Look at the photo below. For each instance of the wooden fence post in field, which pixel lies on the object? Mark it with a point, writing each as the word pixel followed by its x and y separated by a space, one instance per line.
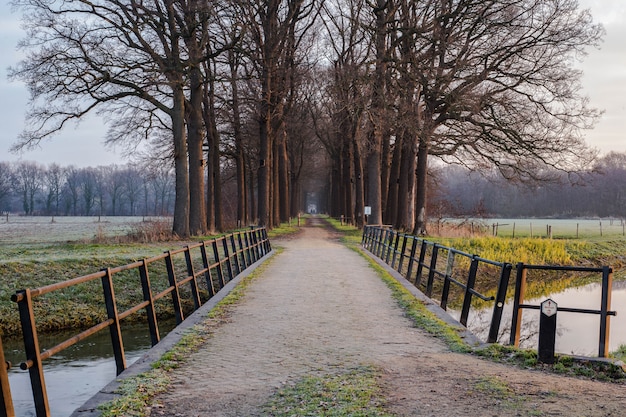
pixel 531 230
pixel 577 230
pixel 600 228
pixel 513 230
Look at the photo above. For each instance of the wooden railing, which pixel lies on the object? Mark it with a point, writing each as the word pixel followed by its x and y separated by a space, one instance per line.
pixel 207 267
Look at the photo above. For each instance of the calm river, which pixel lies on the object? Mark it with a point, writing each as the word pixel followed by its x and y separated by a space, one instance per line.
pixel 577 334
pixel 76 374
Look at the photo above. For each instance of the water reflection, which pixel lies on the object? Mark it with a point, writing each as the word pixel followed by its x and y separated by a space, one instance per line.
pixel 77 373
pixel 577 333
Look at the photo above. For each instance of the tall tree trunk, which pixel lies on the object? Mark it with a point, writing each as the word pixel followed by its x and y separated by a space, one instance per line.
pixel 359 203
pixel 374 158
pixel 406 179
pixel 346 173
pixel 421 175
pixel 391 202
pixel 283 177
pixel 269 64
pixel 181 203
pixel 242 213
pixel 209 121
pixel 217 177
pixel 195 128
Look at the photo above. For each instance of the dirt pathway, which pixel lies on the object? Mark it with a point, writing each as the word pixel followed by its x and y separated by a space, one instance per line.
pixel 319 309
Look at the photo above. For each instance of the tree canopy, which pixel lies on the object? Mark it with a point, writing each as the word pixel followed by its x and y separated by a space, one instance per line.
pixel 258 89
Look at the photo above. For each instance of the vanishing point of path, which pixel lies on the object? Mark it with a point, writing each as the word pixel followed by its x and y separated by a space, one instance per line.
pixel 319 309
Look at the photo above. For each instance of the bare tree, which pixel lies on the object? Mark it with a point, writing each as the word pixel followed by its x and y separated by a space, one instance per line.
pixel 6 183
pixel 124 58
pixel 28 182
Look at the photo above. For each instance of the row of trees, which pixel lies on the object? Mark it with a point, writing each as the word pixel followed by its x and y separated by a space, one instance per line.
pixel 600 191
pixel 33 189
pixel 273 90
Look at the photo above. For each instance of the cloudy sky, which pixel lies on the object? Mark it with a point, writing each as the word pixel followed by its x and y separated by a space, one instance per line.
pixel 604 82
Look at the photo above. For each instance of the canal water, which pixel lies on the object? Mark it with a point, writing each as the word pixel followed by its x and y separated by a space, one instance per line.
pixel 577 334
pixel 77 373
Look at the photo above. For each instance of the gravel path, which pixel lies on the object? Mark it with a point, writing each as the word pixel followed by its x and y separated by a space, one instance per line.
pixel 320 309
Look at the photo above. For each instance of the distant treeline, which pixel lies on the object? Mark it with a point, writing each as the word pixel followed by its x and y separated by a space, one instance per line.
pixel 600 191
pixel 30 188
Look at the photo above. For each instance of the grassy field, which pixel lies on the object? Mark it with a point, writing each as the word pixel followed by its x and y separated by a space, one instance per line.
pixel 541 228
pixel 38 251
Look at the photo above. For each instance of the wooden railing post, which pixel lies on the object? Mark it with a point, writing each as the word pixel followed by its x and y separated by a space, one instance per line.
pixel 6 401
pixel 229 265
pixel 171 275
pixel 193 284
pixel 607 284
pixel 207 274
pixel 114 328
pixel 235 255
pixel 147 296
pixel 218 262
pixel 33 353
pixel 266 239
pixel 242 251
pixel 249 248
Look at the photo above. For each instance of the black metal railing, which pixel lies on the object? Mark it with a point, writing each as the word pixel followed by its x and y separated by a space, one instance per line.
pixel 442 265
pixel 605 302
pixel 209 264
pixel 391 246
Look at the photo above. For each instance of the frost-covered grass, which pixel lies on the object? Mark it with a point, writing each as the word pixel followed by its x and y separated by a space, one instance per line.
pixel 538 228
pixel 18 230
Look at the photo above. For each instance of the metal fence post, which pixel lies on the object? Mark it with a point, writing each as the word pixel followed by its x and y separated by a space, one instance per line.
pixel 395 251
pixel 467 299
pixel 409 268
pixel 498 307
pixel 431 272
pixel 520 289
pixel 402 254
pixel 420 263
pixel 446 280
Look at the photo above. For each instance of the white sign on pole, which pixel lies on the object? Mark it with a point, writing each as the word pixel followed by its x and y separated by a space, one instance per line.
pixel 368 210
pixel 549 308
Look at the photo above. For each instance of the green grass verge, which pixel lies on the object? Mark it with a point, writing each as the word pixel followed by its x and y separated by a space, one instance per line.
pixel 353 393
